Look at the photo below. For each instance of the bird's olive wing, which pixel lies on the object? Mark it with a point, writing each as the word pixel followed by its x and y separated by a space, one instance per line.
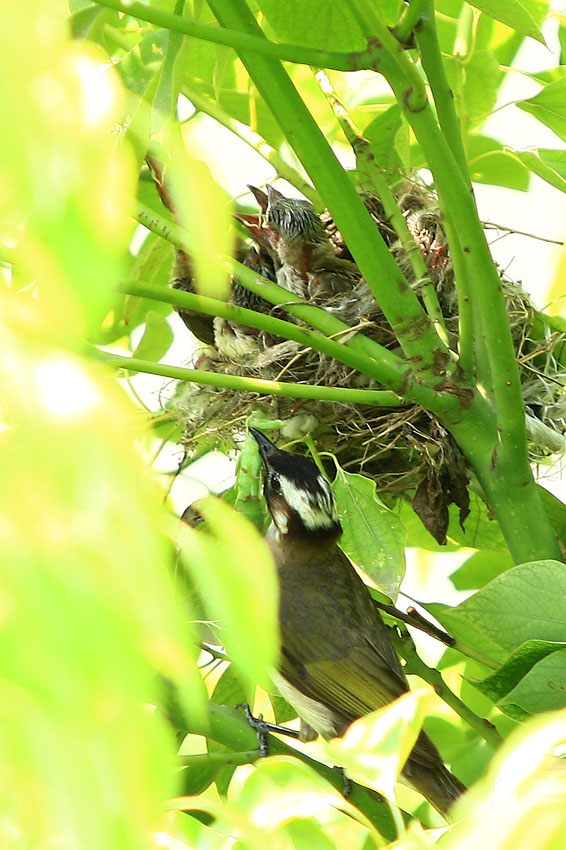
pixel 352 685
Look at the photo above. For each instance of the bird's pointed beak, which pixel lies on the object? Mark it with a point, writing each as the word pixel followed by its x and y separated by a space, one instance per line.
pixel 266 447
pixel 260 197
pixel 273 194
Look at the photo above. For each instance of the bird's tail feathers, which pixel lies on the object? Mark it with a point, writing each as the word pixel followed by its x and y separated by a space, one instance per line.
pixel 440 787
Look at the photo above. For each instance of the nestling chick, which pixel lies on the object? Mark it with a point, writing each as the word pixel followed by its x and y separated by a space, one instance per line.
pixel 337 660
pixel 309 265
pixel 232 339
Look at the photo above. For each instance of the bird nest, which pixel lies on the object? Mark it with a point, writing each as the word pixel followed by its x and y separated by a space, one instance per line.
pixel 406 450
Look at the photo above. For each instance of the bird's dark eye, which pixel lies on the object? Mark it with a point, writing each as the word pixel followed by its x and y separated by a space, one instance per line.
pixel 274 483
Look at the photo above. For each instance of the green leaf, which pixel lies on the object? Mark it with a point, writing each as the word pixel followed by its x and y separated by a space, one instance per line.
pixel 381 132
pixel 542 689
pixel 374 536
pixel 491 163
pixel 282 787
pixel 152 265
pixel 548 164
pixel 230 690
pixel 555 509
pixel 516 667
pixel 328 26
pixel 198 777
pixel 305 834
pixel 525 16
pixel 157 338
pixel 281 708
pixel 549 107
pixel 481 568
pixel 234 570
pixel 525 603
pixel 481 80
pixel 374 748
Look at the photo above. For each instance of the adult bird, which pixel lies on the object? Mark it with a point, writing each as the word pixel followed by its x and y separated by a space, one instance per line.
pixel 337 660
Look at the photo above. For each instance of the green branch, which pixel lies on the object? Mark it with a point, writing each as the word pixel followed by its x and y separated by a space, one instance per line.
pixel 251 385
pixel 420 343
pixel 261 321
pixel 229 727
pixel 416 666
pixel 354 61
pixel 393 373
pixel 459 206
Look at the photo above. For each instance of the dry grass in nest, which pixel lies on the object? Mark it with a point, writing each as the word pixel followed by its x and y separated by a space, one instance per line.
pixel 405 448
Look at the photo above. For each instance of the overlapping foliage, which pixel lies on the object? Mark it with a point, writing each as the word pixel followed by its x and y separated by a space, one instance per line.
pixel 102 595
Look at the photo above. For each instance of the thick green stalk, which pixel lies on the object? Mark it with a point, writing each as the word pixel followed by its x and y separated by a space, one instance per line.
pixel 354 61
pixel 251 385
pixel 427 354
pixel 431 59
pixel 508 485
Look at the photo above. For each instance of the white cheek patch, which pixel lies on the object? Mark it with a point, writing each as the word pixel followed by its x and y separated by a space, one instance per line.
pixel 315 510
pixel 280 519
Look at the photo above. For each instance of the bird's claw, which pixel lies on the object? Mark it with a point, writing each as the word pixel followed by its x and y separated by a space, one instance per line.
pixel 346 781
pixel 259 726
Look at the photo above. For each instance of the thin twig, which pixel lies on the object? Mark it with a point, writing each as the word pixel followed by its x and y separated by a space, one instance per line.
pixel 415 619
pixel 489 225
pixel 415 665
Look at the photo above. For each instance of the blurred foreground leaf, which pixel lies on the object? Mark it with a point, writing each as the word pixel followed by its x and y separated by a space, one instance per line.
pixel 234 570
pixel 375 748
pixel 520 803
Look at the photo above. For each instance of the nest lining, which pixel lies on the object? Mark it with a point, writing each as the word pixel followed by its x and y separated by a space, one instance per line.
pixel 399 447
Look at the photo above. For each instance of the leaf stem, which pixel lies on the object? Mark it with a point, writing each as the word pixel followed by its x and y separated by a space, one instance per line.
pixel 416 666
pixel 226 757
pixel 252 385
pixel 354 61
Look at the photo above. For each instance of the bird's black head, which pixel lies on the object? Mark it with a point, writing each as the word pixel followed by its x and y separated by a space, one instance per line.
pixel 299 498
pixel 293 220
